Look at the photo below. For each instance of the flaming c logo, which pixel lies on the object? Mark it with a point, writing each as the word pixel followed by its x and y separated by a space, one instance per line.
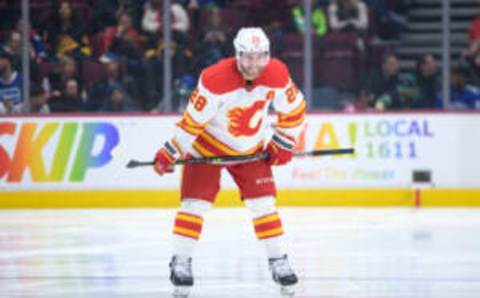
pixel 246 121
pixel 256 40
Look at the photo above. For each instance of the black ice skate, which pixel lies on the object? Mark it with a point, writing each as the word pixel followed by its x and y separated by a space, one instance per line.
pixel 181 275
pixel 283 274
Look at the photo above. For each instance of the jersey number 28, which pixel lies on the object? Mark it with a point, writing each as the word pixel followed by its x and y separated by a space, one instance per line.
pixel 198 101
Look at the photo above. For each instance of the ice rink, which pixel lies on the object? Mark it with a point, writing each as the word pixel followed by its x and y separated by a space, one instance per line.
pixel 338 253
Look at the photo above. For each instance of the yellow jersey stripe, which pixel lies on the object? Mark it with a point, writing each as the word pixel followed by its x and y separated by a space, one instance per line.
pixel 219 144
pixel 202 150
pixel 286 124
pixel 298 109
pixel 191 122
pixel 190 130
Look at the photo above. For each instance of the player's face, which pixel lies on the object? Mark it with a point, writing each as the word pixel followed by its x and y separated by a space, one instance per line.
pixel 251 65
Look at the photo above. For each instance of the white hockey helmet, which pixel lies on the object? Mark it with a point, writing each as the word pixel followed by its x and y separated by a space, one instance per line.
pixel 251 40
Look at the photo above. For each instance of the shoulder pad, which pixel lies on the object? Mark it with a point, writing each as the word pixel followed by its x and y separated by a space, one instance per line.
pixel 275 75
pixel 222 77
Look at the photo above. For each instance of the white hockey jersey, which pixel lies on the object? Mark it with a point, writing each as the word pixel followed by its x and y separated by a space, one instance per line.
pixel 225 116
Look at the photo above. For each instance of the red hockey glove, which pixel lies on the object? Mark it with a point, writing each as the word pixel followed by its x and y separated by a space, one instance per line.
pixel 280 150
pixel 165 158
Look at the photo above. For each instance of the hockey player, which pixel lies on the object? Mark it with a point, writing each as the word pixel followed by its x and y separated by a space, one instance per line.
pixel 227 115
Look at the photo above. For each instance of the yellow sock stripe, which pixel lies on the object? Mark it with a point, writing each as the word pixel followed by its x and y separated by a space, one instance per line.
pixel 190 218
pixel 275 232
pixel 268 218
pixel 186 232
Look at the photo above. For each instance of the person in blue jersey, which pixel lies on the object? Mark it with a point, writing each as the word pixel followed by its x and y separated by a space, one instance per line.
pixel 10 81
pixel 462 95
pixel 38 103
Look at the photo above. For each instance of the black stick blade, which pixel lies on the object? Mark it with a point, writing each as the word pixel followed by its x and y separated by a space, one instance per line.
pixel 135 163
pixel 132 164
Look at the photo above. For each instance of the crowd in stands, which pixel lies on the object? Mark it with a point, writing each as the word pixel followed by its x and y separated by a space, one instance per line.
pixel 107 56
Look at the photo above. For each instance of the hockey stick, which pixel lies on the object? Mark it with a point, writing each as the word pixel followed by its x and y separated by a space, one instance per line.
pixel 241 158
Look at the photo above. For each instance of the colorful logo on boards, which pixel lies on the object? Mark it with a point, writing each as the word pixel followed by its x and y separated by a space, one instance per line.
pixel 29 151
pixel 382 139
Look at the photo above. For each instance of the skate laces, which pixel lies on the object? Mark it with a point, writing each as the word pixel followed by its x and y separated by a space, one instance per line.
pixel 281 267
pixel 182 266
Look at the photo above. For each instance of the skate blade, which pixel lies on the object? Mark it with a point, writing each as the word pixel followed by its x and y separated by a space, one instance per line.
pixel 181 291
pixel 287 291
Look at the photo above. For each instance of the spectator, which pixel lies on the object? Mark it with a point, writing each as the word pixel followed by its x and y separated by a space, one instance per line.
pixel 10 81
pixel 56 81
pixel 121 41
pixel 273 16
pixel 214 41
pixel 182 59
pixel 389 17
pixel 195 4
pixel 472 65
pixel 462 96
pixel 38 103
pixel 474 36
pixel 348 16
pixel 106 13
pixel 118 101
pixel 363 102
pixel 152 17
pixel 13 46
pixel 181 54
pixel 471 56
pixel 152 21
pixel 69 100
pixel 37 46
pixel 65 34
pixel 183 88
pixel 101 92
pixel 319 18
pixel 428 83
pixel 390 88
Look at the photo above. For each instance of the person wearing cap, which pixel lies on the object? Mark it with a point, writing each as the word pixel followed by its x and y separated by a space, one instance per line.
pixel 227 115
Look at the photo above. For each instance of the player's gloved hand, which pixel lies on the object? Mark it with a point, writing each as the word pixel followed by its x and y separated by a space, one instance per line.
pixel 163 162
pixel 165 158
pixel 280 150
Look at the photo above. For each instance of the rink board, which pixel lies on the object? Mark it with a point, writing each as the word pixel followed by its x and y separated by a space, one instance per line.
pixel 231 198
pixel 79 161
